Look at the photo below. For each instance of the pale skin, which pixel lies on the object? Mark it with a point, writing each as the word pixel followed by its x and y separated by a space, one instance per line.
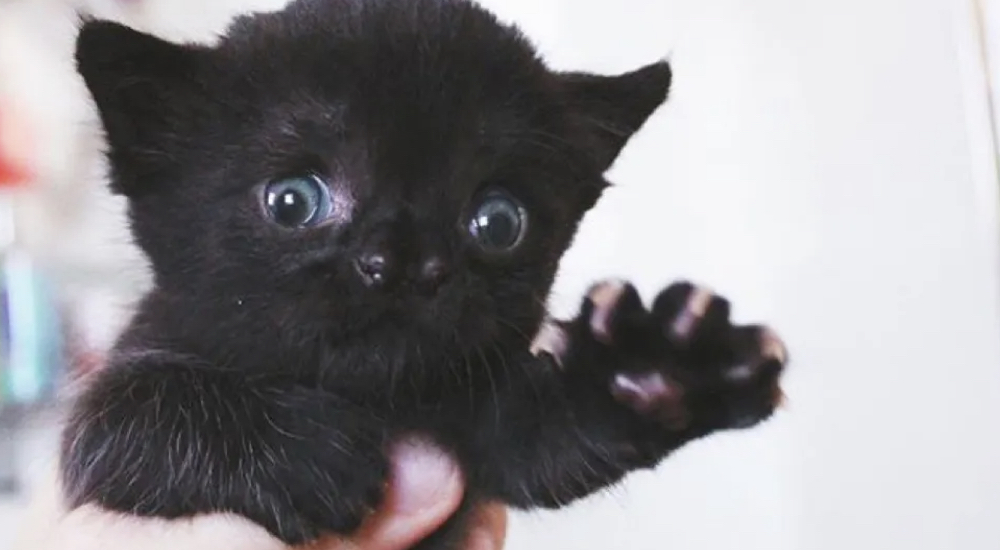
pixel 425 489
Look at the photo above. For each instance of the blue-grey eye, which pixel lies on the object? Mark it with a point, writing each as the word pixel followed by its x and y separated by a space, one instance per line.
pixel 499 222
pixel 296 202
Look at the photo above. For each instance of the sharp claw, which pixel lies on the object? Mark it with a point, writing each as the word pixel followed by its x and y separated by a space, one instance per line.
pixel 686 321
pixel 551 340
pixel 771 346
pixel 604 297
pixel 780 400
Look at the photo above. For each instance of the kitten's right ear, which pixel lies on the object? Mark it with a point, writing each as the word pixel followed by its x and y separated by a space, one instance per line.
pixel 140 84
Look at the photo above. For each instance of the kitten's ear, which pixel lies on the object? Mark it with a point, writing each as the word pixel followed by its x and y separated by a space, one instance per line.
pixel 611 109
pixel 140 84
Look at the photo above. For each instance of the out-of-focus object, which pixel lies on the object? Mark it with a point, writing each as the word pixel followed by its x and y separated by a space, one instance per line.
pixel 30 335
pixel 16 166
pixel 29 330
pixel 31 350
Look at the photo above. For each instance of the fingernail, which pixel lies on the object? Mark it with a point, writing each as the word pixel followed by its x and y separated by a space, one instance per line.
pixel 423 475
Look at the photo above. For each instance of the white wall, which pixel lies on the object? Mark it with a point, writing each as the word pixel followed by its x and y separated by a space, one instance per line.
pixel 988 13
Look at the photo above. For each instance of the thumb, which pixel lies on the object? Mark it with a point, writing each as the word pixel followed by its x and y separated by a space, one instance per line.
pixel 425 489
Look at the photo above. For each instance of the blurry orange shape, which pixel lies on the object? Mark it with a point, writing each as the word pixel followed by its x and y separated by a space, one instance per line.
pixel 15 150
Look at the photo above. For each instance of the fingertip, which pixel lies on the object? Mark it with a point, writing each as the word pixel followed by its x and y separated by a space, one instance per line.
pixel 423 475
pixel 426 488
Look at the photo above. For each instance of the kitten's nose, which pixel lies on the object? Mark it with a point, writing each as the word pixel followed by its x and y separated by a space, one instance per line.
pixel 375 268
pixel 433 272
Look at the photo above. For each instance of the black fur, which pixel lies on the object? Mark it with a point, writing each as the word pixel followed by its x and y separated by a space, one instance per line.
pixel 264 375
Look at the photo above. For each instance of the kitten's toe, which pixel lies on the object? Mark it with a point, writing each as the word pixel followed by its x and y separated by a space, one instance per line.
pixel 614 309
pixel 744 388
pixel 552 340
pixel 755 349
pixel 689 315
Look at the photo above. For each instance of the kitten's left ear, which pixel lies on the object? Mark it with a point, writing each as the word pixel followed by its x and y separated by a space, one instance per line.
pixel 611 109
pixel 142 86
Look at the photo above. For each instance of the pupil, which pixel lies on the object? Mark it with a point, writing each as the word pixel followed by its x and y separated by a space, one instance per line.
pixel 500 230
pixel 292 208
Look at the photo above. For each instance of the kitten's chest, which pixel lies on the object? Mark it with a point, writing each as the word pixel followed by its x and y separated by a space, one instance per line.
pixel 447 402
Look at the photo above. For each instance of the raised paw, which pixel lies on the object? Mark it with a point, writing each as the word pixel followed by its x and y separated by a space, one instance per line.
pixel 682 363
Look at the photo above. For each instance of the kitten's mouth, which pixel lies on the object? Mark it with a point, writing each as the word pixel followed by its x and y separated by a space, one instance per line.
pixel 458 322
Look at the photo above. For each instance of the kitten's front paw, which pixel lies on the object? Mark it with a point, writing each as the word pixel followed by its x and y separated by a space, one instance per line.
pixel 683 364
pixel 321 498
pixel 307 502
pixel 317 478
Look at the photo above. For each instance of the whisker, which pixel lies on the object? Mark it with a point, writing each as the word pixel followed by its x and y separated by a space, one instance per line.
pixel 517 331
pixel 468 370
pixel 493 386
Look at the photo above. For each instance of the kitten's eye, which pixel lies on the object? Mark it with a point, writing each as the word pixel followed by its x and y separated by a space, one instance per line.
pixel 499 222
pixel 298 202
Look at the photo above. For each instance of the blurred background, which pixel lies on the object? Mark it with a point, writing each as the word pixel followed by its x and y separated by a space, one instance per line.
pixel 830 166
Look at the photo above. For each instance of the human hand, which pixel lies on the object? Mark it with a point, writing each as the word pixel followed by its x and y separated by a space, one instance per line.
pixel 425 490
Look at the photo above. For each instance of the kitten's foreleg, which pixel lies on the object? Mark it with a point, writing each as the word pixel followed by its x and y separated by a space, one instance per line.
pixel 627 385
pixel 157 435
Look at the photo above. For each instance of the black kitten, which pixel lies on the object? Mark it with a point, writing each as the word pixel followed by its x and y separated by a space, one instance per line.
pixel 354 211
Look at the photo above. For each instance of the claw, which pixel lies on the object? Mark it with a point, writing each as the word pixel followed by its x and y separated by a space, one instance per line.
pixel 686 321
pixel 772 347
pixel 604 297
pixel 779 398
pixel 551 340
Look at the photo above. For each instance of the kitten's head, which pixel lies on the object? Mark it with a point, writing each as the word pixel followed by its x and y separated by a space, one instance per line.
pixel 383 166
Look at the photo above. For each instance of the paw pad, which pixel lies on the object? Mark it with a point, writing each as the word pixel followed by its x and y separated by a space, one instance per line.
pixel 652 394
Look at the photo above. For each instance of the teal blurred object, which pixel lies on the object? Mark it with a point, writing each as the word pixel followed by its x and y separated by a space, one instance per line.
pixel 31 336
pixel 31 348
